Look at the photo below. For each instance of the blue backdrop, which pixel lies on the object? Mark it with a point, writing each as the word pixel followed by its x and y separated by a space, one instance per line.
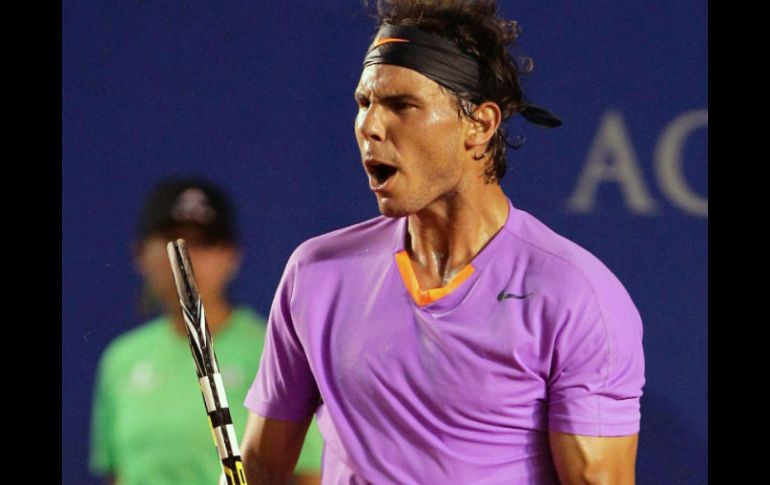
pixel 258 96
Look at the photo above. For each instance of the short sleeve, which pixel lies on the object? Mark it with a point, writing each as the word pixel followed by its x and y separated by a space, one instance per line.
pixel 598 363
pixel 284 387
pixel 102 453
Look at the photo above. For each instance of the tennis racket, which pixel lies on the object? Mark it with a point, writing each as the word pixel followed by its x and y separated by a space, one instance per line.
pixel 209 377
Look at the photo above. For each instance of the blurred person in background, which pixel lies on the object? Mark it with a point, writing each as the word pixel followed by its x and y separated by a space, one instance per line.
pixel 149 424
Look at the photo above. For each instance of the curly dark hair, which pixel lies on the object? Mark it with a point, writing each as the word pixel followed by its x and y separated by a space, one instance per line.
pixel 476 27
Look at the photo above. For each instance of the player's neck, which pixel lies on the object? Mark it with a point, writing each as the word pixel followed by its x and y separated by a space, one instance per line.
pixel 444 237
pixel 217 310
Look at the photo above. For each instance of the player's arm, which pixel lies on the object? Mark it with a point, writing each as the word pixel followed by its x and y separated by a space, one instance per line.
pixel 594 460
pixel 306 479
pixel 270 449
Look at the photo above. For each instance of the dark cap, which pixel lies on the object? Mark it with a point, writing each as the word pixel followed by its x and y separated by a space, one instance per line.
pixel 188 208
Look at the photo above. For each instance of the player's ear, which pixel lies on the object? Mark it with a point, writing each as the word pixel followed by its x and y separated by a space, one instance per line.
pixel 486 119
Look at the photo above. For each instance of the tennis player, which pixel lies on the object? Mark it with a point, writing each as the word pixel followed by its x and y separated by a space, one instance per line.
pixel 455 339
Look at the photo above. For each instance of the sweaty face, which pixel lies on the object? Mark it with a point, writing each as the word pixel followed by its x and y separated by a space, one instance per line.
pixel 410 136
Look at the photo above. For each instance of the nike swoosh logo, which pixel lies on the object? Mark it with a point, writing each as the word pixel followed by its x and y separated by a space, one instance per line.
pixel 386 40
pixel 504 296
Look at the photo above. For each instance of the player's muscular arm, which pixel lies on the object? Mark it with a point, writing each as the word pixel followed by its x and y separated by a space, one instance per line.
pixel 594 460
pixel 304 479
pixel 271 448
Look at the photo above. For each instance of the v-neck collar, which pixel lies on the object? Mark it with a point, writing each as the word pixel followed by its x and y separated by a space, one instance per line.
pixel 424 297
pixel 445 297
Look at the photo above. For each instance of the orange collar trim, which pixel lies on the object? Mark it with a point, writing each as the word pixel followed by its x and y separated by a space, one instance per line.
pixel 425 297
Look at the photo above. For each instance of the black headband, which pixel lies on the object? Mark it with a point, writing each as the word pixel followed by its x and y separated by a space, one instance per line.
pixel 440 60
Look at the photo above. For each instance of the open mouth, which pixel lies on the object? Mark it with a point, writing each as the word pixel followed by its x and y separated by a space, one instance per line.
pixel 382 173
pixel 379 174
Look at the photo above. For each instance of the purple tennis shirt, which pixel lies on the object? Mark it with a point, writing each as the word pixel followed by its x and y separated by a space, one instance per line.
pixel 460 390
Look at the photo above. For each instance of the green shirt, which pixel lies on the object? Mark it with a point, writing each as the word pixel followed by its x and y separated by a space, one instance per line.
pixel 149 421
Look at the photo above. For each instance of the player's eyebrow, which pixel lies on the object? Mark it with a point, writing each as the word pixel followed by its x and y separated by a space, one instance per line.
pixel 390 98
pixel 399 98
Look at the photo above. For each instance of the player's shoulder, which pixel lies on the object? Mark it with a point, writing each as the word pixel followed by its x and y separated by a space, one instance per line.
pixel 355 241
pixel 572 268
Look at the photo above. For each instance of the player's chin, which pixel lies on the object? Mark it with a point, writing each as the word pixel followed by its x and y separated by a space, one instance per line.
pixel 390 207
